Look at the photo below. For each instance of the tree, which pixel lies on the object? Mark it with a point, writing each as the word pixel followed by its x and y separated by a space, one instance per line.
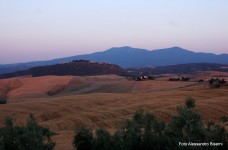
pixel 143 131
pixel 29 137
pixel 117 141
pixel 187 126
pixel 83 138
pixel 102 140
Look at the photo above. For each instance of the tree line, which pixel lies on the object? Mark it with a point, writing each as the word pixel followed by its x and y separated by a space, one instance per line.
pixel 145 132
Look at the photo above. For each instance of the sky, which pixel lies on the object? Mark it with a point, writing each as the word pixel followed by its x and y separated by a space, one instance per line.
pixel 46 29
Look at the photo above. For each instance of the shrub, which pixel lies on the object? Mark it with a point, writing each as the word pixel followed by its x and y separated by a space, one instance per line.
pixel 32 136
pixel 185 127
pixel 83 138
pixel 190 102
pixel 215 85
pixel 3 101
pixel 102 141
pixel 224 119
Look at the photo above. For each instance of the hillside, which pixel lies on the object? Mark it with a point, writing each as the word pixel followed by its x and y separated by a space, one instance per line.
pixel 22 89
pixel 76 68
pixel 128 57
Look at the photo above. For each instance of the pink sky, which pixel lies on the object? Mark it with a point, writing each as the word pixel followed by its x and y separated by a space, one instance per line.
pixel 48 29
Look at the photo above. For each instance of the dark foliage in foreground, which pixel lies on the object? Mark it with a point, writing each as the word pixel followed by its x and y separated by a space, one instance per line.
pixel 145 132
pixel 29 137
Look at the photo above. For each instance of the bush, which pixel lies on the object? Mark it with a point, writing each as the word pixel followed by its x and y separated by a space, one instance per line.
pixel 83 138
pixel 3 101
pixel 215 85
pixel 144 132
pixel 224 119
pixel 29 137
pixel 190 102
pixel 102 141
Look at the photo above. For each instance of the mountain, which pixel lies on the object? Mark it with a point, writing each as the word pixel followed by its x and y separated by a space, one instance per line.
pixel 128 57
pixel 77 68
pixel 178 69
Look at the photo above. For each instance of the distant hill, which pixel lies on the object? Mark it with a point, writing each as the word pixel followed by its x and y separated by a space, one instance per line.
pixel 179 69
pixel 128 57
pixel 77 67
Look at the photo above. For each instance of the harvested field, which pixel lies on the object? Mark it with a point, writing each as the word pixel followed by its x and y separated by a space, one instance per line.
pixel 102 101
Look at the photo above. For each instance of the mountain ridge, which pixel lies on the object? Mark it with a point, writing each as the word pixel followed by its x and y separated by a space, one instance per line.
pixel 128 57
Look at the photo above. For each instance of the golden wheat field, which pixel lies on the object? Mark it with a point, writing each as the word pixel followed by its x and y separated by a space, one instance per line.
pixel 64 103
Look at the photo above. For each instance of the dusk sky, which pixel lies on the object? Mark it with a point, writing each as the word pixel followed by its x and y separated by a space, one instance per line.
pixel 46 29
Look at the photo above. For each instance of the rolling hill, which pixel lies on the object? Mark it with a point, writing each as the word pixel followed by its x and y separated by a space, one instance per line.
pixel 104 101
pixel 128 57
pixel 76 68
